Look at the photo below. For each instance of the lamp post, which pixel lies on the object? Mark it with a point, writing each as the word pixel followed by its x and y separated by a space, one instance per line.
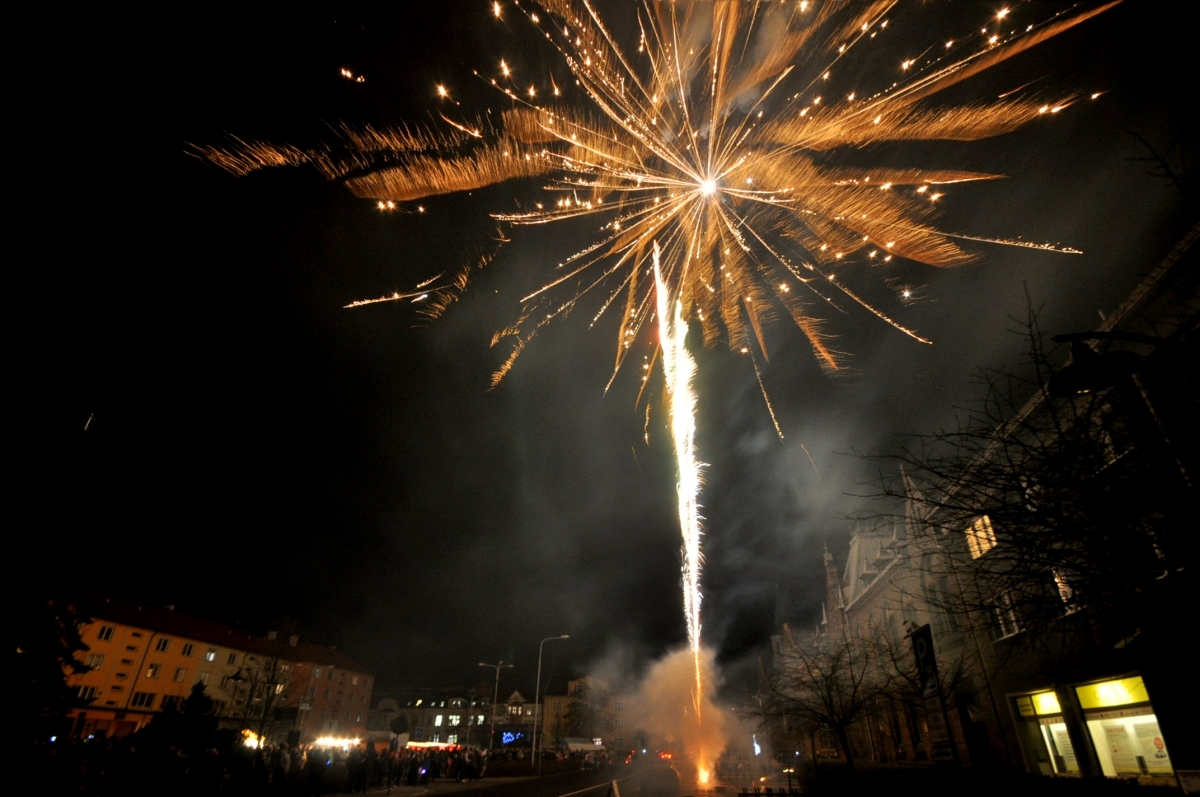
pixel 498 666
pixel 536 764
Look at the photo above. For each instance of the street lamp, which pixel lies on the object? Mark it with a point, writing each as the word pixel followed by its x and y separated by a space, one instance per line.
pixel 536 764
pixel 498 666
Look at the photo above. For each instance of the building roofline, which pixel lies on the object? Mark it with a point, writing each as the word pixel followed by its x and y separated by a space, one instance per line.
pixel 168 621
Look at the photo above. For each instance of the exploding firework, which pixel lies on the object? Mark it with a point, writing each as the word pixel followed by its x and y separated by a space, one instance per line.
pixel 705 155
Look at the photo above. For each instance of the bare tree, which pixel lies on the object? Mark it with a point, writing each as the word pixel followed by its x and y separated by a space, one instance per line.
pixel 834 680
pixel 261 689
pixel 1041 509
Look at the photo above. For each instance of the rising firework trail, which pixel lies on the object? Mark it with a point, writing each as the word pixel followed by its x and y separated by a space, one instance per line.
pixel 679 369
pixel 717 139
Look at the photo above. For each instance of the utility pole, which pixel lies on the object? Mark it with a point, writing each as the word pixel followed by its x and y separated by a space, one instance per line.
pixel 536 764
pixel 498 666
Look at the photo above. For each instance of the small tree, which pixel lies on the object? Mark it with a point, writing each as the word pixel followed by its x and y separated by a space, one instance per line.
pixel 47 648
pixel 265 691
pixel 834 681
pixel 586 713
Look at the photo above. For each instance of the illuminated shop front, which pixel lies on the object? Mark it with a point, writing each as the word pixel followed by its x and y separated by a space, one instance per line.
pixel 1123 728
pixel 1118 725
pixel 1044 733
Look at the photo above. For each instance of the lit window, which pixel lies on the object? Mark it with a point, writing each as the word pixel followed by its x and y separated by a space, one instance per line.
pixel 105 633
pixel 279 689
pixel 180 674
pixel 95 661
pixel 437 721
pixel 354 680
pixel 480 720
pixel 316 672
pixel 981 537
pixel 162 645
pixel 452 738
pixel 153 670
pixel 1065 590
pixel 211 655
pixel 455 720
pixel 142 700
pixel 188 649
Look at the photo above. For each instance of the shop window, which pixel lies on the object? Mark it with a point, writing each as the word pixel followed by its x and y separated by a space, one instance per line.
pixel 1050 739
pixel 1124 728
pixel 1062 752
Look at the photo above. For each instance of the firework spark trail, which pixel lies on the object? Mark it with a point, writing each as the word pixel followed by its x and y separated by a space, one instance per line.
pixel 679 369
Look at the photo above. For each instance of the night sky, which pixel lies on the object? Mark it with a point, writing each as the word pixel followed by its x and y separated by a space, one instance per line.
pixel 260 456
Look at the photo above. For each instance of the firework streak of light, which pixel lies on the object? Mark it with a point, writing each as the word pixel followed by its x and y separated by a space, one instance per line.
pixel 716 141
pixel 679 369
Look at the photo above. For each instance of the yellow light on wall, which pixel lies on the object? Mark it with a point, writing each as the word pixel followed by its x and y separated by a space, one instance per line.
pixel 334 741
pixel 1118 692
pixel 1046 703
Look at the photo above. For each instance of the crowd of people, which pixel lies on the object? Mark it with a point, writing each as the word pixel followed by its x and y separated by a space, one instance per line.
pixel 136 764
